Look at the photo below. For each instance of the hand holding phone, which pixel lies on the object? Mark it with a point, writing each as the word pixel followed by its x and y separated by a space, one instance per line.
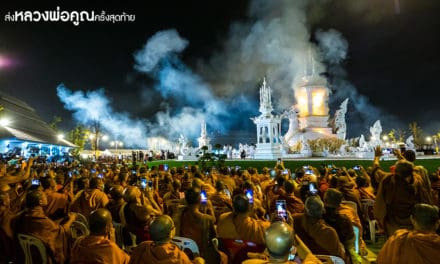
pixel 203 197
pixel 281 209
pixel 35 182
pixel 250 195
pixel 143 183
pixel 312 188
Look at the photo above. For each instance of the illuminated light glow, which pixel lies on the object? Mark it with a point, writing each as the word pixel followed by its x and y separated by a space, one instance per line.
pixel 91 136
pixel 105 138
pixel 60 136
pixel 5 62
pixel 302 102
pixel 318 104
pixel 84 156
pixel 5 122
pixel 319 96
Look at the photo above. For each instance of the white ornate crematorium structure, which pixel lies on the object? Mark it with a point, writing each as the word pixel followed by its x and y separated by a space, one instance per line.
pixel 308 119
pixel 268 127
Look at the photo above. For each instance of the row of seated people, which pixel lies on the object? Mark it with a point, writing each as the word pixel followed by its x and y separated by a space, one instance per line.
pixel 99 248
pixel 137 207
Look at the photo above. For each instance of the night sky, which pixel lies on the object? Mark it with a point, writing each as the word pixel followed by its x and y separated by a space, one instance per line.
pixel 393 57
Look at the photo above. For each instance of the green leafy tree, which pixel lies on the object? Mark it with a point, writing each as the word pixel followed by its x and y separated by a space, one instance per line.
pixel 55 122
pixel 396 135
pixel 78 136
pixel 400 135
pixel 211 159
pixel 392 135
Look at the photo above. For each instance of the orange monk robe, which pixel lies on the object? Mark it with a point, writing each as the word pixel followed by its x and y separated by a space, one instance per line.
pixel 241 227
pixel 346 187
pixel 407 246
pixel 34 222
pixel 351 214
pixel 366 193
pixel 6 235
pixel 395 200
pixel 114 207
pixel 97 249
pixel 319 237
pixel 136 216
pixel 89 200
pixel 310 259
pixel 6 216
pixel 149 253
pixel 220 199
pixel 57 204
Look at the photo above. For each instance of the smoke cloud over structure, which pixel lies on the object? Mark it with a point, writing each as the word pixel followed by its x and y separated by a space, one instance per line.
pixel 223 89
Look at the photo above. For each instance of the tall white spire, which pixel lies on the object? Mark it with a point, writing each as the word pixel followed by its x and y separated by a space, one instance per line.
pixel 204 140
pixel 265 99
pixel 203 129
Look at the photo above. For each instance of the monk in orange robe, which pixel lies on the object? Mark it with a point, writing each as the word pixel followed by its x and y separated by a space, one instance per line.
pixel 90 199
pixel 160 250
pixel 421 245
pixel 6 234
pixel 33 221
pixel 239 224
pixel 197 225
pixel 97 247
pixel 397 195
pixel 293 204
pixel 315 233
pixel 57 203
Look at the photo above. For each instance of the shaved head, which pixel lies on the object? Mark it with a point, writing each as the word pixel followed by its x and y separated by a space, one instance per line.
pixel 116 192
pixel 35 198
pixel 279 239
pixel 161 228
pixel 426 216
pixel 99 221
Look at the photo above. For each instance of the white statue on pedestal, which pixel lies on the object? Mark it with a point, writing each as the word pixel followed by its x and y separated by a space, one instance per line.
pixel 292 115
pixel 363 145
pixel 376 131
pixel 410 142
pixel 183 145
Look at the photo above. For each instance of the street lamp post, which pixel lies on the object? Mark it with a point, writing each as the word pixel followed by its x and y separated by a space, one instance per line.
pixel 435 143
pixel 95 138
pixel 116 144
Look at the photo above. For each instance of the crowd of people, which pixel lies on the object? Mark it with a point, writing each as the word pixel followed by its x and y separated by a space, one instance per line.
pixel 277 215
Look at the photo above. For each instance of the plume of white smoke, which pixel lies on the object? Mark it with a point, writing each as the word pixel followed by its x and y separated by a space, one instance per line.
pixel 275 44
pixel 94 106
pixel 193 100
pixel 334 48
pixel 223 89
pixel 160 45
